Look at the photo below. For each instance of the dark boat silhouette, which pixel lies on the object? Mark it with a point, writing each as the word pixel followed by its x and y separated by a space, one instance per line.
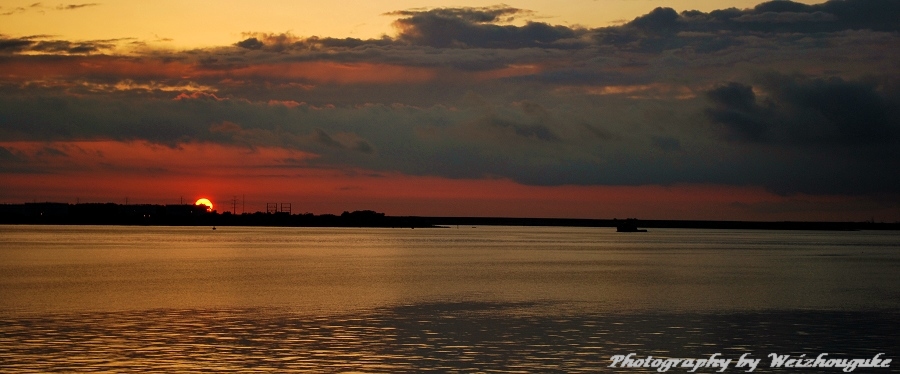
pixel 629 225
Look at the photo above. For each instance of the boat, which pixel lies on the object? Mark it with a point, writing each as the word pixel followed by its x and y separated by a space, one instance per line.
pixel 629 225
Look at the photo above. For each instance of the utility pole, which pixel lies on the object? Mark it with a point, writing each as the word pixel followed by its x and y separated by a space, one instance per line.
pixel 233 204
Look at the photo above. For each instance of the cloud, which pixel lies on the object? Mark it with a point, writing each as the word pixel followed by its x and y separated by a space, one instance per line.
pixel 342 140
pixel 794 98
pixel 231 133
pixel 9 45
pixel 250 43
pixel 75 6
pixel 530 142
pixel 659 29
pixel 787 17
pixel 13 11
pixel 43 44
pixel 801 111
pixel 62 46
pixel 658 20
pixel 832 135
pixel 666 144
pixel 493 14
pixel 482 39
pixel 10 162
pixel 735 107
pixel 39 7
pixel 477 27
pixel 287 42
pixel 322 137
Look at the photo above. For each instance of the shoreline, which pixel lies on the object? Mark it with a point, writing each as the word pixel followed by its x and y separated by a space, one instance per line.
pixel 192 215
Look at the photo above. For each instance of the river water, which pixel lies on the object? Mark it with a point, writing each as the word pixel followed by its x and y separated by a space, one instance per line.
pixel 468 299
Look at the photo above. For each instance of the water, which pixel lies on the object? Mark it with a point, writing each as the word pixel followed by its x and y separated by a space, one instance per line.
pixel 507 299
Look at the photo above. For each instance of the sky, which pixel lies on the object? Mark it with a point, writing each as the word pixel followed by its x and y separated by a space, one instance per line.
pixel 655 109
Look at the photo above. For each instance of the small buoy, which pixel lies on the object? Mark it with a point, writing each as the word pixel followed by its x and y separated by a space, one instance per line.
pixel 214 227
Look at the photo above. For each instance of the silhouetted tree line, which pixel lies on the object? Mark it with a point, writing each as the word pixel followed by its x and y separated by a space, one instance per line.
pixel 197 215
pixel 185 215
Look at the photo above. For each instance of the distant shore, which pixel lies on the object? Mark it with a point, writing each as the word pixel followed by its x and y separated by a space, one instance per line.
pixel 194 215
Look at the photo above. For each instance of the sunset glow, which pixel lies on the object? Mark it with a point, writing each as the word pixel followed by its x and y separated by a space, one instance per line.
pixel 686 109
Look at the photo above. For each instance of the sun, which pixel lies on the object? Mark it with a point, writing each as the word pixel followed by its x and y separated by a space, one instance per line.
pixel 204 201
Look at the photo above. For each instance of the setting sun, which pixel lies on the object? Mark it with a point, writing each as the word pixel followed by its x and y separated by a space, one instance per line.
pixel 205 201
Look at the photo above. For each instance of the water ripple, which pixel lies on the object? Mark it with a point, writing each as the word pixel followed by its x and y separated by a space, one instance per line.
pixel 429 337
